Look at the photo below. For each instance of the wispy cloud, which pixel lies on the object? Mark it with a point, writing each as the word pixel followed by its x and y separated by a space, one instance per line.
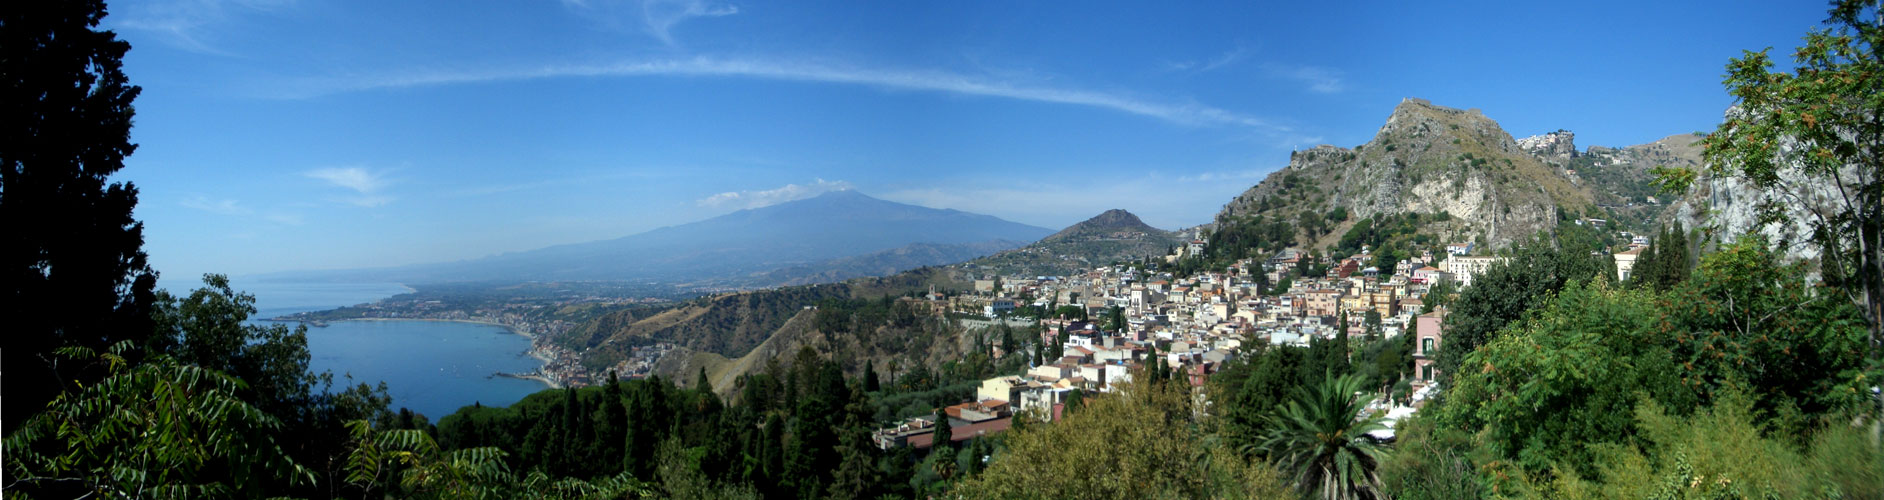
pixel 234 208
pixel 1212 64
pixel 1318 79
pixel 761 198
pixel 920 80
pixel 366 184
pixel 184 23
pixel 657 18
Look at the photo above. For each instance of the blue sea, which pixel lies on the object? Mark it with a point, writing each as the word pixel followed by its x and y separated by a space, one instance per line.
pixel 431 367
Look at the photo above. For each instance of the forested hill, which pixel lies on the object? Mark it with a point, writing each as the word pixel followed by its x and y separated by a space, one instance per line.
pixel 1113 236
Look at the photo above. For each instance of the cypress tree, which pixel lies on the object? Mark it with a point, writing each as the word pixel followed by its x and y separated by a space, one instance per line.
pixel 65 129
pixel 772 457
pixel 870 376
pixel 1007 340
pixel 1643 275
pixel 570 434
pixel 611 436
pixel 944 434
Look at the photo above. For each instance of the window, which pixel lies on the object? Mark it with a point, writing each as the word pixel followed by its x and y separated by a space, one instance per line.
pixel 1426 346
pixel 1427 374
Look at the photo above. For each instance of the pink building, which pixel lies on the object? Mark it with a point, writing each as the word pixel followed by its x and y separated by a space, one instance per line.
pixel 1323 302
pixel 1430 329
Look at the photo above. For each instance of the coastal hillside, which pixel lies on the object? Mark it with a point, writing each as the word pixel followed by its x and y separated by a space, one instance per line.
pixel 874 318
pixel 1113 236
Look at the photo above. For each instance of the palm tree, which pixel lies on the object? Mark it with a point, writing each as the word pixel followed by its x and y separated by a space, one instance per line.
pixel 1320 443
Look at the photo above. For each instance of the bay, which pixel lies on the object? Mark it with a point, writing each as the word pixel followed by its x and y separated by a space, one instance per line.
pixel 431 367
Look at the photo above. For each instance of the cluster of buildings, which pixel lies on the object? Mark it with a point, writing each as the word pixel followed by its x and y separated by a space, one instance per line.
pixel 1193 325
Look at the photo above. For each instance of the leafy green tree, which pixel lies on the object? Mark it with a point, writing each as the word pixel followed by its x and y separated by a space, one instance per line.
pixel 1504 292
pixel 1584 355
pixel 153 429
pixel 1139 441
pixel 1717 452
pixel 1248 390
pixel 210 328
pixel 1312 224
pixel 74 270
pixel 1746 316
pixel 1815 137
pixel 1317 441
pixel 410 464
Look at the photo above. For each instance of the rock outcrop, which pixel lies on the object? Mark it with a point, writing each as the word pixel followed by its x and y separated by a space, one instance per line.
pixel 1425 159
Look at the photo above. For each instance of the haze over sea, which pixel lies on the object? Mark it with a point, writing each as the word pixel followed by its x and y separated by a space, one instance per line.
pixel 431 367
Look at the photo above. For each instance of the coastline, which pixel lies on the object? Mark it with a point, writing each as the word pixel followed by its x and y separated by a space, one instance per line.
pixel 539 378
pixel 509 328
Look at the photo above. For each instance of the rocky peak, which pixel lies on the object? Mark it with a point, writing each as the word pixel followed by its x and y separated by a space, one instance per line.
pixel 1420 122
pixel 1115 218
pixel 1114 222
pixel 1556 147
pixel 1425 159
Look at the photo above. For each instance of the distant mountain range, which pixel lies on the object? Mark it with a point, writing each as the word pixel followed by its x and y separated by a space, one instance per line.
pixel 837 235
pixel 1109 237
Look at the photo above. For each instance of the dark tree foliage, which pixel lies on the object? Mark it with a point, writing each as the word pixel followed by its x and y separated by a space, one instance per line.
pixel 1253 385
pixel 1509 288
pixel 1666 263
pixel 1239 238
pixel 870 376
pixel 75 273
pixel 944 434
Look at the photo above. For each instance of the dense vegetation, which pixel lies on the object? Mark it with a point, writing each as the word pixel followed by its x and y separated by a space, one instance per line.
pixel 1624 370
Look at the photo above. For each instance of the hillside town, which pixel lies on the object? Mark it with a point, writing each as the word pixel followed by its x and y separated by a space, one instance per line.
pixel 1193 325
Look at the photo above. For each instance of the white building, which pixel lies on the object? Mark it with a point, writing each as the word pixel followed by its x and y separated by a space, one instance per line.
pixel 1465 268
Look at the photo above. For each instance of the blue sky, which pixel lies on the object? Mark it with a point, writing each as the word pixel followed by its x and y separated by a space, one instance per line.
pixel 311 134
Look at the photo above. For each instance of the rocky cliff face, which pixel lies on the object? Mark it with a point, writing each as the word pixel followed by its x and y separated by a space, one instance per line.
pixel 1425 159
pixel 1729 208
